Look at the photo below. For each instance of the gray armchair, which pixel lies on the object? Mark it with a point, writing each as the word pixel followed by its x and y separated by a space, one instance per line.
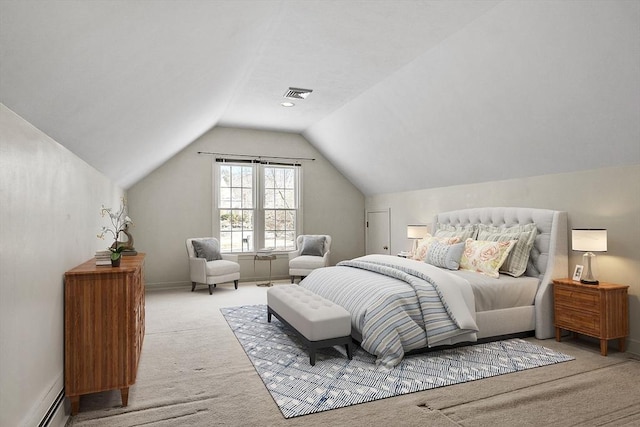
pixel 312 252
pixel 208 266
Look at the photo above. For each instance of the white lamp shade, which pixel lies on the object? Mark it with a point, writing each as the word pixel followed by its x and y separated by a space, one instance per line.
pixel 417 231
pixel 589 239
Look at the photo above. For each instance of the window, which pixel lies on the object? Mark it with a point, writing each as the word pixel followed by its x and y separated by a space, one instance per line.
pixel 257 206
pixel 280 207
pixel 235 206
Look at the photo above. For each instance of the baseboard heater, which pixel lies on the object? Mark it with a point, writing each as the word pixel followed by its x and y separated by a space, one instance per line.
pixel 46 420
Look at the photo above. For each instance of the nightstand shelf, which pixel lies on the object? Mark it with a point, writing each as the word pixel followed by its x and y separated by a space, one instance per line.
pixel 600 311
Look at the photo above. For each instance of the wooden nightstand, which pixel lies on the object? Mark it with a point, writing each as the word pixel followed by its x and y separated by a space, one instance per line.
pixel 600 311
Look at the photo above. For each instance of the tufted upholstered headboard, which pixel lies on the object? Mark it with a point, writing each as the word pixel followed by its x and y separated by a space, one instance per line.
pixel 549 257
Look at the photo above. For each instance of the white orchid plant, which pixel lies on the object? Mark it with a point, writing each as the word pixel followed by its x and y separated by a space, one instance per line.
pixel 119 223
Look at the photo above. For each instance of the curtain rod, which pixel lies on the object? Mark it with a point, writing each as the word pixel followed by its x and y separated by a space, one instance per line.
pixel 254 157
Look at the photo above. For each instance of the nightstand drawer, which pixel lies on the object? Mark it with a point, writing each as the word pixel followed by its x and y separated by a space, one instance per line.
pixel 577 298
pixel 587 323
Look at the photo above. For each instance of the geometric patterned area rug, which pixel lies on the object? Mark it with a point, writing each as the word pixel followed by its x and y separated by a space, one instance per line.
pixel 335 381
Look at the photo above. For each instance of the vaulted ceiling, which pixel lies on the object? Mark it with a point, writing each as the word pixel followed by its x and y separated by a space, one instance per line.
pixel 406 94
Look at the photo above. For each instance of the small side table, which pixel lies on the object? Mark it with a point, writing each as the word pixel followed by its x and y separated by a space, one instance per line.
pixel 269 258
pixel 600 311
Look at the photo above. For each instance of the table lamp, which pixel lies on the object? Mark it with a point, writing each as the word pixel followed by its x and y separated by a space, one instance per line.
pixel 416 232
pixel 589 240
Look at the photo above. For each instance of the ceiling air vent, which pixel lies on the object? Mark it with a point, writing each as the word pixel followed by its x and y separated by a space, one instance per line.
pixel 295 93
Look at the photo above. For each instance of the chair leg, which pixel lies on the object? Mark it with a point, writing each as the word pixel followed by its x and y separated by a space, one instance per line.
pixel 211 289
pixel 292 278
pixel 235 283
pixel 193 286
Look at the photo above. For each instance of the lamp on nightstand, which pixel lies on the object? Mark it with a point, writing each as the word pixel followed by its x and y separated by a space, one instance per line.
pixel 416 232
pixel 589 240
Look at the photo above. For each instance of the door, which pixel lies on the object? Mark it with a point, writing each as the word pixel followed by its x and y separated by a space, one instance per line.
pixel 377 232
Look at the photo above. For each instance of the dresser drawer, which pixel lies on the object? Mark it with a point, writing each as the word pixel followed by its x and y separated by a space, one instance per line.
pixel 577 298
pixel 580 321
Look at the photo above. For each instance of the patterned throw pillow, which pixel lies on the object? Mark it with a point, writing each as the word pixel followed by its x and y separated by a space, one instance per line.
pixel 462 232
pixel 485 257
pixel 445 256
pixel 426 242
pixel 208 249
pixel 525 235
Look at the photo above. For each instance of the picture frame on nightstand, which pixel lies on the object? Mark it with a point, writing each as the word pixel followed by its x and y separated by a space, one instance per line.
pixel 577 273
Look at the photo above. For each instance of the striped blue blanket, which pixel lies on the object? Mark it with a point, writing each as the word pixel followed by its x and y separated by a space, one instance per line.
pixel 398 305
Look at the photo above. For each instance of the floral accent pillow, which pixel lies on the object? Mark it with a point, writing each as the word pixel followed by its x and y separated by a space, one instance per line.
pixel 516 263
pixel 425 243
pixel 485 257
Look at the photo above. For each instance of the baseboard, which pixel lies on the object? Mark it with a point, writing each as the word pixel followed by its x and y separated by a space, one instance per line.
pixel 187 285
pixel 263 279
pixel 633 346
pixel 166 285
pixel 56 415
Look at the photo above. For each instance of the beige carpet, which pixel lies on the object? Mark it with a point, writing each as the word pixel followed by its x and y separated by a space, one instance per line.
pixel 193 372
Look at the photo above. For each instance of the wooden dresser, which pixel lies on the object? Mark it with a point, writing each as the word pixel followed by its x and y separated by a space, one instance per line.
pixel 600 311
pixel 103 327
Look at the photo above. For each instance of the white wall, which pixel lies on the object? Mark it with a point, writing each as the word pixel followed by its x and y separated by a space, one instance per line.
pixel 175 202
pixel 49 218
pixel 601 198
pixel 556 82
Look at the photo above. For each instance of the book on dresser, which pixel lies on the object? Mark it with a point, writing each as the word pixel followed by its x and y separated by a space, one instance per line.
pixel 103 258
pixel 103 327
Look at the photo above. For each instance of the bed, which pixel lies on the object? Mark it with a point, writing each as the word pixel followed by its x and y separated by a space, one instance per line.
pixel 403 305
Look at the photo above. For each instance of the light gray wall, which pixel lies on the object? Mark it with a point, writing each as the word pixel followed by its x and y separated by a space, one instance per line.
pixel 175 202
pixel 602 198
pixel 49 218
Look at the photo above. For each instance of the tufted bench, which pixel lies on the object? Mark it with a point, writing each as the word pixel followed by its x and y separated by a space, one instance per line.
pixel 319 322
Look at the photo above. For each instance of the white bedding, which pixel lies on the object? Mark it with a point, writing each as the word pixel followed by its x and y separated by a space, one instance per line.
pixel 398 305
pixel 504 292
